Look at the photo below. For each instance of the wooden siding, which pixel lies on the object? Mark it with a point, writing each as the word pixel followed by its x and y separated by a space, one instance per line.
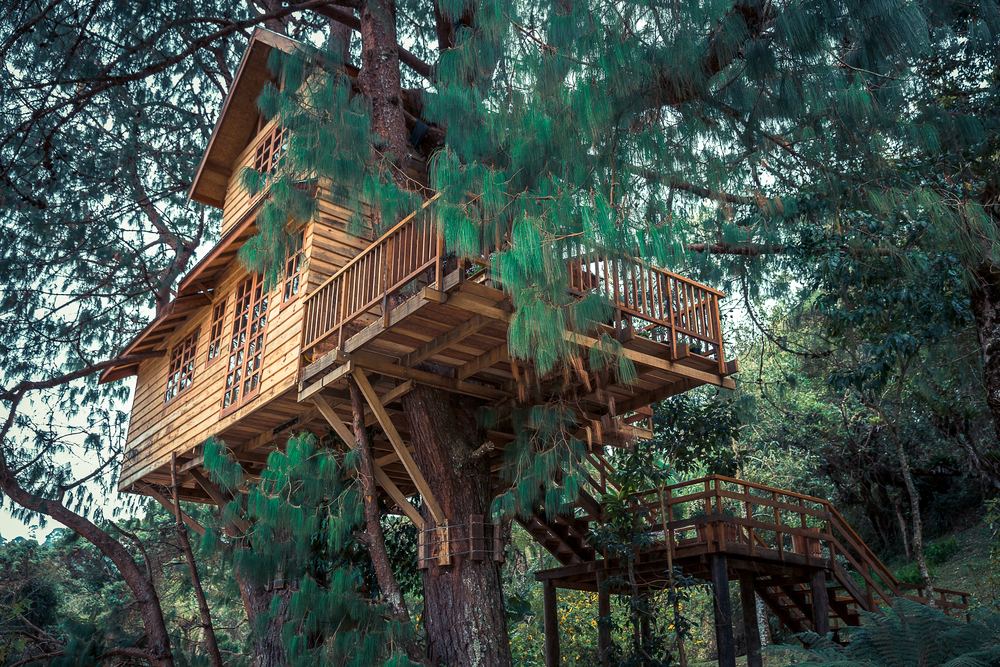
pixel 157 429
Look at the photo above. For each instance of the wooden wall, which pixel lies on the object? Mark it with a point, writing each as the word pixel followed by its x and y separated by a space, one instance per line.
pixel 157 429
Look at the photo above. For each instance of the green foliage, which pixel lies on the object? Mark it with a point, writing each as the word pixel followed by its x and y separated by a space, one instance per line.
pixel 303 512
pixel 909 635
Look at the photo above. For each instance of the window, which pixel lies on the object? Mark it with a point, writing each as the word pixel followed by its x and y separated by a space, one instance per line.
pixel 267 159
pixel 215 335
pixel 181 370
pixel 293 271
pixel 246 347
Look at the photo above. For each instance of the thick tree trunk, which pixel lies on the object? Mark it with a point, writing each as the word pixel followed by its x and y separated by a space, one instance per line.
pixel 464 609
pixel 985 301
pixel 268 645
pixel 379 79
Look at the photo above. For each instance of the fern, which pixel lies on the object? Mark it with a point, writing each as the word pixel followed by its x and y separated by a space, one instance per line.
pixel 909 635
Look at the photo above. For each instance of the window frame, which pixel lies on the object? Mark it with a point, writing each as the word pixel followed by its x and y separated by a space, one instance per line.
pixel 293 274
pixel 217 318
pixel 235 372
pixel 184 354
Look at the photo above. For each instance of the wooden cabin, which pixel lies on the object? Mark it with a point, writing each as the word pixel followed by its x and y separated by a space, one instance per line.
pixel 232 360
pixel 250 366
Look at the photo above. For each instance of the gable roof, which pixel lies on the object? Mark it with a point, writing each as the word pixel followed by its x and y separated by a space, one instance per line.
pixel 237 122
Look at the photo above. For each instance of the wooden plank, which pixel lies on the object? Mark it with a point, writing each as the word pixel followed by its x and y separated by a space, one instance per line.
pixel 383 480
pixel 396 393
pixel 496 355
pixel 216 494
pixel 334 376
pixel 442 343
pixel 663 364
pixel 430 379
pixel 397 443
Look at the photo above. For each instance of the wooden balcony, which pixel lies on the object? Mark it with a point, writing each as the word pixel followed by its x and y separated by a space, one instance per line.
pixel 649 302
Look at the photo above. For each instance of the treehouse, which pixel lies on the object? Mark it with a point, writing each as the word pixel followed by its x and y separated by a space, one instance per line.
pixel 230 359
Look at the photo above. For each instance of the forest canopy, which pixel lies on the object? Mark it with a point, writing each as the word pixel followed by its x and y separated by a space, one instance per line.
pixel 831 165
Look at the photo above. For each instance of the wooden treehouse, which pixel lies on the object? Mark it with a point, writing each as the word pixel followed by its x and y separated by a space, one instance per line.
pixel 232 360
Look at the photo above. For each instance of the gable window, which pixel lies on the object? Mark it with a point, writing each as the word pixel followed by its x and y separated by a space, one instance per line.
pixel 215 334
pixel 181 369
pixel 246 346
pixel 267 159
pixel 293 271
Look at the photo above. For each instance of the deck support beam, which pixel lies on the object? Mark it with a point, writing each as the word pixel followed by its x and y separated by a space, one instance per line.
pixel 820 603
pixel 550 618
pixel 397 444
pixel 723 610
pixel 603 618
pixel 380 477
pixel 751 623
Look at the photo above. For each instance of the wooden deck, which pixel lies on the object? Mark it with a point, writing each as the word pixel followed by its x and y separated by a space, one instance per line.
pixel 797 552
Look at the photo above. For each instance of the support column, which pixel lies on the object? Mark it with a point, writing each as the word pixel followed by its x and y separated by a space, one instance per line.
pixel 820 603
pixel 751 624
pixel 604 618
pixel 550 619
pixel 723 611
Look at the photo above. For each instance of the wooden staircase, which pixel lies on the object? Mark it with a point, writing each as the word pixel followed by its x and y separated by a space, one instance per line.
pixel 787 543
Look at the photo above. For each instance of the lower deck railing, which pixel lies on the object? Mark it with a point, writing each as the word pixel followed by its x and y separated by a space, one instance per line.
pixel 716 514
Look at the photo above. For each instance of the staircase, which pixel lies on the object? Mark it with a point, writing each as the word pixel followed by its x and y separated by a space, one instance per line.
pixel 786 540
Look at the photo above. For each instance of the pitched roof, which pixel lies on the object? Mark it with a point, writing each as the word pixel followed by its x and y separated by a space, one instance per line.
pixel 237 122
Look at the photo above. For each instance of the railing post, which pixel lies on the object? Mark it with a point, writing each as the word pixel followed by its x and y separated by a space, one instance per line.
pixel 438 263
pixel 717 325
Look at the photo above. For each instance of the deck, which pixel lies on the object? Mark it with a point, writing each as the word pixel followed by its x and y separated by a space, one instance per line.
pixel 795 551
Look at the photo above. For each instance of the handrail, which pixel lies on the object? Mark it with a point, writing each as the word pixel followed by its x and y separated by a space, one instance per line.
pixel 673 308
pixel 708 515
pixel 387 265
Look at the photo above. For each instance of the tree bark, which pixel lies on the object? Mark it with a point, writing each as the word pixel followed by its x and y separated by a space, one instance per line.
pixel 902 528
pixel 206 615
pixel 379 80
pixel 918 525
pixel 268 645
pixel 985 301
pixel 464 609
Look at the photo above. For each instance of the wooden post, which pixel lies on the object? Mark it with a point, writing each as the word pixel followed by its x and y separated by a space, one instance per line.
pixel 751 624
pixel 550 620
pixel 723 610
pixel 604 618
pixel 820 603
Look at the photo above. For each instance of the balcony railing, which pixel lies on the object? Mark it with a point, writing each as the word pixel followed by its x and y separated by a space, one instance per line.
pixel 371 279
pixel 654 302
pixel 712 513
pixel 650 301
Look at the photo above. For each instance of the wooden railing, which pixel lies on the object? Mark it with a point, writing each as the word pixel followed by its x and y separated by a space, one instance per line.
pixel 657 303
pixel 716 514
pixel 661 305
pixel 368 281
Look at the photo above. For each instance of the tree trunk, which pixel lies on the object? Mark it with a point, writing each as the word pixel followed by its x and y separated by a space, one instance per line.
pixel 379 80
pixel 902 528
pixel 268 645
pixel 985 301
pixel 211 645
pixel 464 608
pixel 918 526
pixel 157 638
